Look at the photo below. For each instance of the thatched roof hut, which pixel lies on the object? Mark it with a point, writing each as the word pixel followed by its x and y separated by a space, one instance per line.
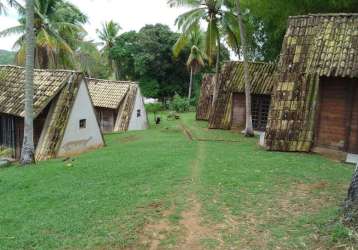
pixel 229 109
pixel 315 99
pixel 64 119
pixel 206 97
pixel 119 105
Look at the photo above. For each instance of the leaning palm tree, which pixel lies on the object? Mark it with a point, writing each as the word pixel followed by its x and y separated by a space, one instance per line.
pixel 197 56
pixel 249 131
pixel 108 35
pixel 28 148
pixel 220 20
pixel 57 26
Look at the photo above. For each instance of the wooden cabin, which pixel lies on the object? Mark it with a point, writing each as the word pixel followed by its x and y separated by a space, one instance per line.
pixel 206 97
pixel 119 105
pixel 65 123
pixel 229 111
pixel 315 101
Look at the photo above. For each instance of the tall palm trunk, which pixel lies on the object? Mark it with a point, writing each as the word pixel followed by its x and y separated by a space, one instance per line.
pixel 28 148
pixel 217 72
pixel 191 83
pixel 249 131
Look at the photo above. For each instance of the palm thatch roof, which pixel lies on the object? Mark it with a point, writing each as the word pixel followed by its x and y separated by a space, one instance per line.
pixel 47 84
pixel 231 81
pixel 206 97
pixel 108 93
pixel 314 46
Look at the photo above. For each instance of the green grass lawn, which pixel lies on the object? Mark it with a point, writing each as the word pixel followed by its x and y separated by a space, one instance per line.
pixel 158 189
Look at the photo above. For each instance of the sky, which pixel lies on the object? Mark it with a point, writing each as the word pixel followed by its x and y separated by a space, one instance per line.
pixel 130 14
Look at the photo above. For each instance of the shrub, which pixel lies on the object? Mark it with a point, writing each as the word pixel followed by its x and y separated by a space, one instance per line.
pixel 179 104
pixel 154 107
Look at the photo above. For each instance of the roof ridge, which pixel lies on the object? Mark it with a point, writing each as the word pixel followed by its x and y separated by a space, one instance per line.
pixel 107 80
pixel 324 15
pixel 41 70
pixel 255 62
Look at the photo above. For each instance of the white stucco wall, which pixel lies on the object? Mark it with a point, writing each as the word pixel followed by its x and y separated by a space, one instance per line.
pixel 77 140
pixel 138 123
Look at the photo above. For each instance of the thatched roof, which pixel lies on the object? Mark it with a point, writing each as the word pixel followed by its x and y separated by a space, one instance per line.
pixel 314 46
pixel 232 80
pixel 47 84
pixel 108 93
pixel 205 99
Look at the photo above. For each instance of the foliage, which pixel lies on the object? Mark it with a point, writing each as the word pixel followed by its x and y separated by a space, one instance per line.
pixel 154 107
pixel 179 104
pixel 58 30
pixel 266 21
pixel 108 34
pixel 146 56
pixel 7 57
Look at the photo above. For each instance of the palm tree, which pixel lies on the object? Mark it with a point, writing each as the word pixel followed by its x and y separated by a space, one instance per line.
pixel 197 56
pixel 108 35
pixel 28 148
pixel 57 26
pixel 249 131
pixel 221 23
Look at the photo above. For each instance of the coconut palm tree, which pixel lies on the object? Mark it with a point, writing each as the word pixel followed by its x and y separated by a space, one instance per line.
pixel 197 56
pixel 221 23
pixel 108 34
pixel 28 148
pixel 249 131
pixel 57 26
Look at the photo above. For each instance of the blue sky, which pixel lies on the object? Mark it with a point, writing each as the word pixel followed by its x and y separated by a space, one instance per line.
pixel 130 14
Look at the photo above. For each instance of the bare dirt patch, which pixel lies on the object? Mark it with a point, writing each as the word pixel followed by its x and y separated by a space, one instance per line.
pixel 153 233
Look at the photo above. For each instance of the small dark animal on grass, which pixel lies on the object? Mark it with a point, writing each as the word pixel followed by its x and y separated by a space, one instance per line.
pixel 157 120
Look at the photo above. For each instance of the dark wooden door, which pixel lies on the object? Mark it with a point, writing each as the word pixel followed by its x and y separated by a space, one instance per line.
pixel 260 109
pixel 238 110
pixel 337 125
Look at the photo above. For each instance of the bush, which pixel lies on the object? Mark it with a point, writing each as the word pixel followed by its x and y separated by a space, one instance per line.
pixel 154 107
pixel 179 104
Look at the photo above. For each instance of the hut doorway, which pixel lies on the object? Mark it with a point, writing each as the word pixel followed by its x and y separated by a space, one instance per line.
pixel 337 125
pixel 238 111
pixel 260 106
pixel 260 109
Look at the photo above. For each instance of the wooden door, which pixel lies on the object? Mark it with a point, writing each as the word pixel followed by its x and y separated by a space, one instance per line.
pixel 238 110
pixel 337 125
pixel 260 109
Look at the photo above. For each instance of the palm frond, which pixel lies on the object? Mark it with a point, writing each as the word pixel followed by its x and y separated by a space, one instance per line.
pixel 12 31
pixel 184 3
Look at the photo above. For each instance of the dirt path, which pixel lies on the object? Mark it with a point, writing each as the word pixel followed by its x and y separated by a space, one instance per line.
pixel 192 231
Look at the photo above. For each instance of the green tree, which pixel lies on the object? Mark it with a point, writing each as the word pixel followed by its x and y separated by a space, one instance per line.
pixel 58 29
pixel 197 56
pixel 266 21
pixel 108 34
pixel 221 23
pixel 28 148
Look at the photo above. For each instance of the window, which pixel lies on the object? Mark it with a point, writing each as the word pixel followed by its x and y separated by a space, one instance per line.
pixel 83 123
pixel 138 113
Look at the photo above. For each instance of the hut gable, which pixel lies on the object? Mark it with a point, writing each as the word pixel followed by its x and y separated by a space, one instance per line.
pixel 314 47
pixel 82 127
pixel 206 97
pixel 123 100
pixel 232 81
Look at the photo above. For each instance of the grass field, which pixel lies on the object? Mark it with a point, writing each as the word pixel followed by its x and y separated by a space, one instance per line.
pixel 157 189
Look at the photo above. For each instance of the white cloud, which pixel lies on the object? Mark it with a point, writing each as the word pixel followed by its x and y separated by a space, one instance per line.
pixel 130 14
